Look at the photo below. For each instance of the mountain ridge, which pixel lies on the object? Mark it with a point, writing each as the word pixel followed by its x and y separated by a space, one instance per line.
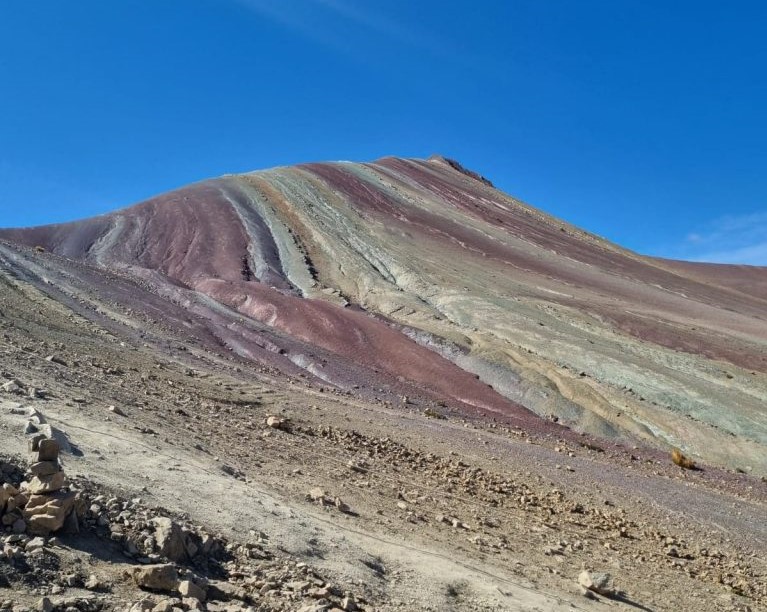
pixel 386 263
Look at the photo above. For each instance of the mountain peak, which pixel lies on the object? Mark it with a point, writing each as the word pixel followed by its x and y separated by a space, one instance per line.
pixel 402 274
pixel 456 165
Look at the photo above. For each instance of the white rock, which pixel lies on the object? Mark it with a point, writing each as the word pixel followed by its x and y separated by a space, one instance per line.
pixel 599 582
pixel 12 386
pixel 35 544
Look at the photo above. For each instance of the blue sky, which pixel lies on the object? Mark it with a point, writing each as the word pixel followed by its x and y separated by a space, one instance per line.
pixel 642 121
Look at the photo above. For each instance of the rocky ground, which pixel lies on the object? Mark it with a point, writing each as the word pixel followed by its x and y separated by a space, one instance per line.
pixel 116 551
pixel 199 480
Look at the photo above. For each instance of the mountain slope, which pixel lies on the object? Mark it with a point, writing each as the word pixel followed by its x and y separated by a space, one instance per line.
pixel 417 278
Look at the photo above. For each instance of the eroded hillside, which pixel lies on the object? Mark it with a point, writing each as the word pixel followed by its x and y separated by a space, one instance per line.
pixel 170 405
pixel 410 276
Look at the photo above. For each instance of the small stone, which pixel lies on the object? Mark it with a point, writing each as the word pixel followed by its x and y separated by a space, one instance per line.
pixel 317 494
pixel 93 583
pixel 35 544
pixel 116 410
pixel 160 577
pixel 275 422
pixel 226 591
pixel 143 605
pixel 268 586
pixel 599 582
pixel 12 386
pixel 34 441
pixel 341 506
pixel 71 580
pixel 48 450
pixel 47 484
pixel 44 468
pixel 190 603
pixel 187 588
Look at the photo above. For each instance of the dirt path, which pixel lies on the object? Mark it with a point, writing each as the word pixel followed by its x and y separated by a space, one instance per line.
pixel 164 475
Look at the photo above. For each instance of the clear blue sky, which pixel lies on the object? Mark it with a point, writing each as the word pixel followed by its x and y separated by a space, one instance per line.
pixel 643 121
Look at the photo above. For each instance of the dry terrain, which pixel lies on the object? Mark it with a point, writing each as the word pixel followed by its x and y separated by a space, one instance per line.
pixel 379 387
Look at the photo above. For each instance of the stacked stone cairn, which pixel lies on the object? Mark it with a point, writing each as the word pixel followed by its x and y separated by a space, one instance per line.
pixel 42 504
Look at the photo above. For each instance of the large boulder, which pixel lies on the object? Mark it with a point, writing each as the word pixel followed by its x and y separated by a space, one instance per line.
pixel 170 539
pixel 160 577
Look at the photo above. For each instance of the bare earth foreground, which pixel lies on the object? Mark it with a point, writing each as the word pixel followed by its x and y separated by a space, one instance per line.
pixel 376 387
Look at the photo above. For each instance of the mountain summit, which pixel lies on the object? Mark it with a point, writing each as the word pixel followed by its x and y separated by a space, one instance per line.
pixel 417 278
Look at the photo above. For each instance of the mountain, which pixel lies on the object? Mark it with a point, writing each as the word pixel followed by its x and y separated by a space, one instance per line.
pixel 376 386
pixel 408 273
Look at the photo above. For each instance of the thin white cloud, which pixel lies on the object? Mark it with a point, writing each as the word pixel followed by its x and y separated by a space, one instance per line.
pixel 734 239
pixel 301 17
pixel 380 23
pixel 754 255
pixel 343 26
